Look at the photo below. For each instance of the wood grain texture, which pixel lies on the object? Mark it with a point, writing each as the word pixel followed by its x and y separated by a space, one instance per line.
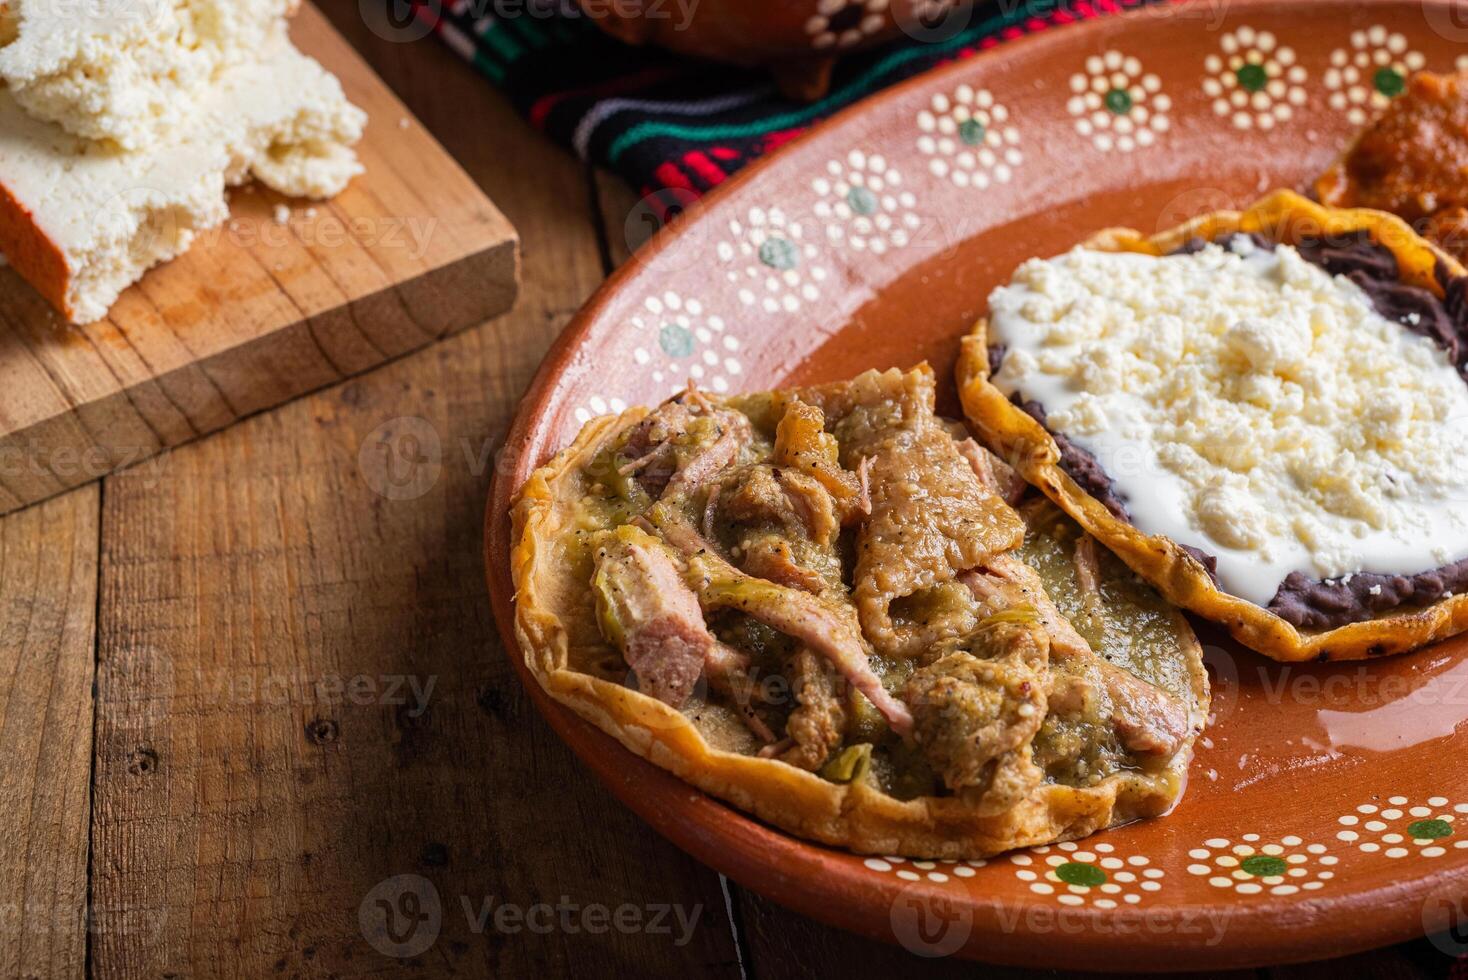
pixel 48 590
pixel 257 312
pixel 250 808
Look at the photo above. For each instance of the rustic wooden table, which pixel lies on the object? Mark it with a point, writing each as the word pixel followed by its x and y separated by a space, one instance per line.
pixel 248 686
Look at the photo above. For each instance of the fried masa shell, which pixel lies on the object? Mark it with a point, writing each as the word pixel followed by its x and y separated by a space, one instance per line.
pixel 1285 217
pixel 562 646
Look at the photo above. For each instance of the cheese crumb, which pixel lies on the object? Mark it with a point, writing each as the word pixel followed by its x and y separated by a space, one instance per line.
pixel 129 71
pixel 1241 245
pixel 1249 403
pixel 282 214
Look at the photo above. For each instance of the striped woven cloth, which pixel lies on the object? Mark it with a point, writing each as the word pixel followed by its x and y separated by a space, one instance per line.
pixel 667 123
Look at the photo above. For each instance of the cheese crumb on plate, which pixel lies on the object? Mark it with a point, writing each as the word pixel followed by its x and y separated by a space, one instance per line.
pixel 1247 402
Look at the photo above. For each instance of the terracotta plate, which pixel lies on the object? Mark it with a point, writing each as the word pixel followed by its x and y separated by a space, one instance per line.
pixel 1328 809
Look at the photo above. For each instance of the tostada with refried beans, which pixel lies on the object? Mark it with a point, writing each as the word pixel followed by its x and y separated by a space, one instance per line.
pixel 1264 414
pixel 833 609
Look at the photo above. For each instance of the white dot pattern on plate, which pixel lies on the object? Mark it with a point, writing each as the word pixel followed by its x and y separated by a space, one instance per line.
pixel 937 872
pixel 1255 82
pixel 864 204
pixel 770 261
pixel 679 342
pixel 1087 873
pixel 969 138
pixel 1117 104
pixel 1370 71
pixel 1256 866
pixel 839 24
pixel 1401 827
pixel 596 406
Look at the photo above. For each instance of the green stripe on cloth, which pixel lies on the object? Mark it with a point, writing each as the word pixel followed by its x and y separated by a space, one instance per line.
pixel 487 65
pixel 506 47
pixel 531 32
pixel 847 93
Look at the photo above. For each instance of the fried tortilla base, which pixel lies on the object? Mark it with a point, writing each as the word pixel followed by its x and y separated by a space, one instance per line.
pixel 563 648
pixel 1017 438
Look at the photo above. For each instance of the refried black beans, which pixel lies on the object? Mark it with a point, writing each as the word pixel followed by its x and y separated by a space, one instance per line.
pixel 1312 604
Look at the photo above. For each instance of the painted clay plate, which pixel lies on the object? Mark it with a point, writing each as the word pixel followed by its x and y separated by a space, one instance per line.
pixel 1328 805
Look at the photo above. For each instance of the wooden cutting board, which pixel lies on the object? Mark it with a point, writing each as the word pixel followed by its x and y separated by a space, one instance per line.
pixel 258 312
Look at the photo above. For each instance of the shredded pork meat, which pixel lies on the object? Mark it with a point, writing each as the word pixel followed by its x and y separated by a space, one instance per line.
pixel 931 518
pixel 818 724
pixel 677 449
pixel 645 604
pixel 824 627
pixel 996 475
pixel 803 445
pixel 842 534
pixel 1145 718
pixel 976 711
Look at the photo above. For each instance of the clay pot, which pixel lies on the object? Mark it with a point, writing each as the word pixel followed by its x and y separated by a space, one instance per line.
pixel 797 40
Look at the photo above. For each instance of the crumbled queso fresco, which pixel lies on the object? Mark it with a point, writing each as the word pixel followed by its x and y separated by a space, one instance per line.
pixel 1247 402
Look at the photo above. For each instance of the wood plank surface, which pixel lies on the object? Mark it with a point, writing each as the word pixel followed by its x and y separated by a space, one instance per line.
pixel 257 312
pixel 48 594
pixel 331 543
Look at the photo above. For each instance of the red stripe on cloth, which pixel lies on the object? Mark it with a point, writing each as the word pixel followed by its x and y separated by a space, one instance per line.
pixel 703 167
pixel 781 137
pixel 666 206
pixel 669 175
pixel 543 106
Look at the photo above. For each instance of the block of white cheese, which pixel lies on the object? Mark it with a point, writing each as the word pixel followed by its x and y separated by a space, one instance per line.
pixel 128 71
pixel 82 220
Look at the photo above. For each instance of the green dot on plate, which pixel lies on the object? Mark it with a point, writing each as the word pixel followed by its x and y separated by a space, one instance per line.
pixel 1429 829
pixel 1075 873
pixel 1389 82
pixel 971 131
pixel 675 341
pixel 862 200
pixel 1119 101
pixel 778 253
pixel 1251 77
pixel 1263 865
